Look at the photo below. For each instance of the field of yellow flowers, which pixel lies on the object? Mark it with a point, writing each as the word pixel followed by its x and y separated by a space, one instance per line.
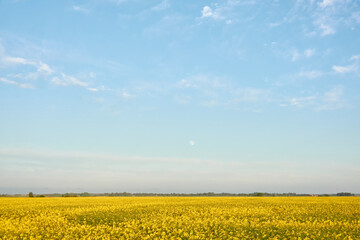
pixel 180 218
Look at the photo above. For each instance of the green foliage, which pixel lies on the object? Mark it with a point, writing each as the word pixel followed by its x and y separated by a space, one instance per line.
pixel 70 195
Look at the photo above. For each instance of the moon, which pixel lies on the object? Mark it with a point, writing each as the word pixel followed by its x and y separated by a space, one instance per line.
pixel 192 142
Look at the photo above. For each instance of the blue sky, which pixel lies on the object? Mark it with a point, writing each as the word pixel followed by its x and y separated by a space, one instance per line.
pixel 179 96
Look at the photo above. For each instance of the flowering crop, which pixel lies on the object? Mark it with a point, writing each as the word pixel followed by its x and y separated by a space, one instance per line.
pixel 180 218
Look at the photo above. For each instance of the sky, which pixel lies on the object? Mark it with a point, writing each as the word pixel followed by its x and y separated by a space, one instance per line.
pixel 179 96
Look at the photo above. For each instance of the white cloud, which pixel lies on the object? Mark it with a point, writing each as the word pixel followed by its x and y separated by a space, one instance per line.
pixel 334 95
pixel 240 2
pixel 18 60
pixel 127 95
pixel 224 11
pixel 332 99
pixel 93 89
pixel 251 95
pixel 290 52
pixel 207 12
pixel 44 68
pixel 73 81
pixel 58 81
pixel 161 6
pixel 331 15
pixel 117 2
pixel 328 100
pixel 274 24
pixel 310 74
pixel 103 88
pixel 349 68
pixel 202 82
pixel 356 17
pixel 21 85
pixel 213 91
pixel 302 101
pixel 309 52
pixel 344 69
pixel 326 30
pixel 80 9
pixel 186 83
pixel 66 80
pixel 295 55
pixel 192 142
pixel 327 3
pixel 92 75
pixel 355 57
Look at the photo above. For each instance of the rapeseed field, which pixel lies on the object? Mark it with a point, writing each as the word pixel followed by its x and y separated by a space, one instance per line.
pixel 180 218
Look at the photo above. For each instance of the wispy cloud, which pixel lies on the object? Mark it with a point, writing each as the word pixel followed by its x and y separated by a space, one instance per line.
pixel 302 101
pixel 334 95
pixel 295 55
pixel 355 16
pixel 328 16
pixel 66 80
pixel 331 99
pixel 41 68
pixel 223 11
pixel 17 60
pixel 327 3
pixel 240 2
pixel 125 94
pixel 93 89
pixel 344 69
pixel 310 74
pixel 164 4
pixel 80 9
pixel 355 59
pixel 309 52
pixel 21 85
pixel 274 24
pixel 326 30
pixel 292 53
pixel 251 94
pixel 202 82
pixel 208 12
pixel 212 91
pixel 334 15
pixel 227 11
pixel 117 2
pixel 44 68
pixel 43 71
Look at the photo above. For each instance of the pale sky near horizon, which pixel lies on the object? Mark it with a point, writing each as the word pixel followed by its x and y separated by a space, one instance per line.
pixel 179 96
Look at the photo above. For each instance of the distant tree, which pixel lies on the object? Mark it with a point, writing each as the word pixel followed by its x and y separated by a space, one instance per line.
pixel 70 195
pixel 31 194
pixel 344 194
